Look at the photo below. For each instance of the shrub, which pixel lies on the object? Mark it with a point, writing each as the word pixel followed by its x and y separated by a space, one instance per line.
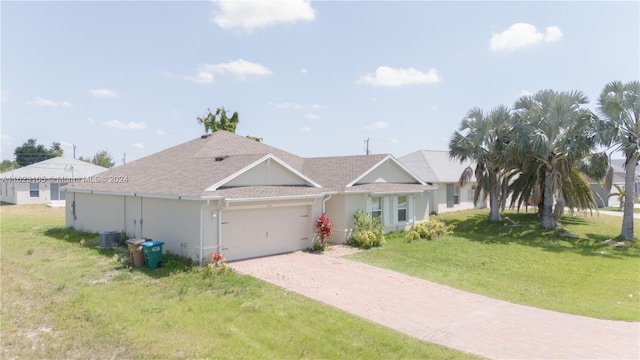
pixel 428 230
pixel 324 229
pixel 368 232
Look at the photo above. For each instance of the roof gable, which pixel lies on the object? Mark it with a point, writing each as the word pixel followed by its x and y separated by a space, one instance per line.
pixel 388 170
pixel 266 171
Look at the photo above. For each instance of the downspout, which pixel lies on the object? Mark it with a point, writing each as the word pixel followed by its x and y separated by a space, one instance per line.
pixel 202 230
pixel 219 215
pixel 324 202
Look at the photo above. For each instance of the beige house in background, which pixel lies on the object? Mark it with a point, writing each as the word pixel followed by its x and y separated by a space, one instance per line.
pixel 226 193
pixel 437 168
pixel 42 182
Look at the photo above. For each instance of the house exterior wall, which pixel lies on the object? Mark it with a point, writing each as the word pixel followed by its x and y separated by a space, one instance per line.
pixel 8 193
pixel 93 212
pixel 465 199
pixel 271 173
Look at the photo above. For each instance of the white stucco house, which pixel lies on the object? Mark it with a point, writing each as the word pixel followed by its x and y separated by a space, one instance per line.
pixel 225 193
pixel 618 179
pixel 437 168
pixel 42 182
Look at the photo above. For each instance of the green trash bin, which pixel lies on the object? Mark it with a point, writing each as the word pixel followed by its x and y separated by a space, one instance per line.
pixel 152 253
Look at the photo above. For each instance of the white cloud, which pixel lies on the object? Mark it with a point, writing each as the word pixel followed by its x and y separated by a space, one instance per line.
pixel 249 15
pixel 434 108
pixel 387 76
pixel 376 126
pixel 160 132
pixel 103 93
pixel 304 71
pixel 305 129
pixel 522 35
pixel 310 116
pixel 45 102
pixel 137 146
pixel 119 125
pixel 524 93
pixel 286 105
pixel 318 106
pixel 241 68
pixel 4 96
pixel 394 140
pixel 91 121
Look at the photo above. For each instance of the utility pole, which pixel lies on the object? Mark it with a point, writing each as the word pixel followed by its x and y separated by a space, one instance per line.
pixel 124 158
pixel 366 149
pixel 74 151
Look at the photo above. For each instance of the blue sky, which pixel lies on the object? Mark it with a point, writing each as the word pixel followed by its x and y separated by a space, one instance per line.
pixel 313 78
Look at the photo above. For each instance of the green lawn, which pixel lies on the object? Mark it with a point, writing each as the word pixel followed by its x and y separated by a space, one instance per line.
pixel 62 298
pixel 526 264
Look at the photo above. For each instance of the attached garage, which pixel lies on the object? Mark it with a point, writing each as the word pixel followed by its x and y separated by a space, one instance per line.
pixel 254 232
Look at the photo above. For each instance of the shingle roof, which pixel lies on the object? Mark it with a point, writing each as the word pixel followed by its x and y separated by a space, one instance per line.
pixel 434 166
pixel 188 169
pixel 54 169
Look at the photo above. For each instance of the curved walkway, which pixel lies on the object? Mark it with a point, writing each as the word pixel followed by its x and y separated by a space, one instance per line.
pixel 444 315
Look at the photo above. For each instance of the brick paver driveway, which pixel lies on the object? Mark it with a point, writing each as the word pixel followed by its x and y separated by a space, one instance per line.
pixel 440 314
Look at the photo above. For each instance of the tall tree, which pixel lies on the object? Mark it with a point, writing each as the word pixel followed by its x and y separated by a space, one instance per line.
pixel 30 152
pixel 482 138
pixel 558 134
pixel 103 158
pixel 8 165
pixel 219 121
pixel 619 108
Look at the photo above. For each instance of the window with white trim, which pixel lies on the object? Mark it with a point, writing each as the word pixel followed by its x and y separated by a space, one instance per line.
pixel 401 211
pixel 34 190
pixel 471 194
pixel 376 207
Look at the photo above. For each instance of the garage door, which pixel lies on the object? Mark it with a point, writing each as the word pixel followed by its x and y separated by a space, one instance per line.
pixel 248 233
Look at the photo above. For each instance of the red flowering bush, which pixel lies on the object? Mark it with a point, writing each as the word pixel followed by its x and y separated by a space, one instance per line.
pixel 324 229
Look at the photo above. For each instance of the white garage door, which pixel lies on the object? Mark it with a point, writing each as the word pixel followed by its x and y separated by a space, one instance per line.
pixel 251 233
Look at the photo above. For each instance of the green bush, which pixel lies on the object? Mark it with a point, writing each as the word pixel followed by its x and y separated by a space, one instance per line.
pixel 428 230
pixel 368 231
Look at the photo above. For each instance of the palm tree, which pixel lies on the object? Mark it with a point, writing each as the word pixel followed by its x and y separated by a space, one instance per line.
pixel 482 138
pixel 557 135
pixel 619 107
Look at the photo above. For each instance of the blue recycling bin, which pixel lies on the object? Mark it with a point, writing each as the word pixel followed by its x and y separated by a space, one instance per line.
pixel 152 253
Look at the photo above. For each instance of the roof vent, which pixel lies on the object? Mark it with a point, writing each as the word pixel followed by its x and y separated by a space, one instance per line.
pixel 219 158
pixel 204 136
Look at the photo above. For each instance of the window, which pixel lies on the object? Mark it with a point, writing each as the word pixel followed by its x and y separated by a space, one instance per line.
pixel 402 208
pixel 56 192
pixel 34 190
pixel 453 197
pixel 376 207
pixel 471 194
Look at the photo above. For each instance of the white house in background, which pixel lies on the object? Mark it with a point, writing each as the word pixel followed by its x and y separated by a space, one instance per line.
pixel 42 182
pixel 226 193
pixel 618 179
pixel 437 168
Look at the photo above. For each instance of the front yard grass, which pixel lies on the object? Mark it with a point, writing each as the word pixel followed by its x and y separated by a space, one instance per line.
pixel 526 264
pixel 64 299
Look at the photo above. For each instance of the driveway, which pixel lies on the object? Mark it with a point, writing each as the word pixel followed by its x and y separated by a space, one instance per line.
pixel 443 315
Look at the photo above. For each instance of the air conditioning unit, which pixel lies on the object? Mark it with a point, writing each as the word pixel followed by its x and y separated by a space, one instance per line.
pixel 108 239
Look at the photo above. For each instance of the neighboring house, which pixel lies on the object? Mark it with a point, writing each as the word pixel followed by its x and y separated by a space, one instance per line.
pixel 437 168
pixel 42 182
pixel 618 179
pixel 224 192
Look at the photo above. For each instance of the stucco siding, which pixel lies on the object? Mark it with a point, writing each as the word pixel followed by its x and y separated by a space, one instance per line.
pixel 267 173
pixel 95 213
pixel 387 172
pixel 176 223
pixel 335 210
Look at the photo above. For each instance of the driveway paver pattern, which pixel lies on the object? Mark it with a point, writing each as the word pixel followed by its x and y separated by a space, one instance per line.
pixel 440 314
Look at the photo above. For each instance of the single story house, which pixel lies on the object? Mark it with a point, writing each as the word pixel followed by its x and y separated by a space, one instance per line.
pixel 225 193
pixel 618 179
pixel 437 168
pixel 42 182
